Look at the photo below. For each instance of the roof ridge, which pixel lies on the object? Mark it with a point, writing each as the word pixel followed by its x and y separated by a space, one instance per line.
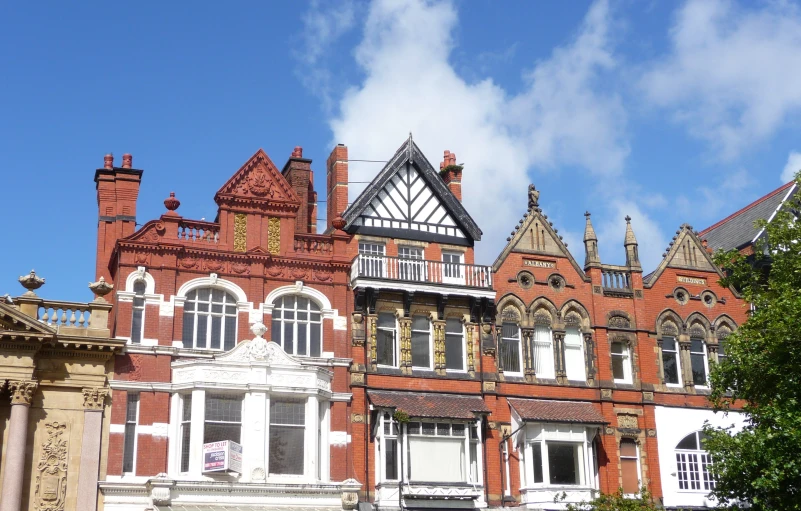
pixel 746 208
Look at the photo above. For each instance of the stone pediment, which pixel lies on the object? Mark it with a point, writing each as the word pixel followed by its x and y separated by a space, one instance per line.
pixel 259 350
pixel 12 321
pixel 258 180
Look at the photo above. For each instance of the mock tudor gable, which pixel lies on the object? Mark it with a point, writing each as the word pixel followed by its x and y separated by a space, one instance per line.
pixel 409 200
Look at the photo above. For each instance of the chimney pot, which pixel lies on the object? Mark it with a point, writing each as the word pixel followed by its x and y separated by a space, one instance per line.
pixel 298 152
pixel 127 161
pixel 108 161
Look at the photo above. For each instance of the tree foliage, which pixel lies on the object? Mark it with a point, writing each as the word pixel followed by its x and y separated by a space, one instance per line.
pixel 615 502
pixel 761 465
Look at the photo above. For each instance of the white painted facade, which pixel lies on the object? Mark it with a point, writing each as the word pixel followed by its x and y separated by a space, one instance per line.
pixel 672 426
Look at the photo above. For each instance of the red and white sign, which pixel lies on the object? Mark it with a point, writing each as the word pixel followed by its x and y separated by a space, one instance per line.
pixel 225 456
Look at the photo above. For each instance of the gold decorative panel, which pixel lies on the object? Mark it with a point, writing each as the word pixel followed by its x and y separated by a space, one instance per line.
pixel 274 235
pixel 240 232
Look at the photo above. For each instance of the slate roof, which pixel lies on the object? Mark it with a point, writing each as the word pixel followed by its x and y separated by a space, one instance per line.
pixel 430 405
pixel 542 410
pixel 737 230
pixel 409 152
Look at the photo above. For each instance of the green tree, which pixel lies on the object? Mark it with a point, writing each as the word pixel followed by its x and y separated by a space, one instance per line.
pixel 761 465
pixel 615 502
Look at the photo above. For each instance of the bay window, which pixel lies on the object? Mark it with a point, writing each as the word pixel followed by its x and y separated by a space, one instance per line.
pixel 559 455
pixel 542 352
pixel 454 345
pixel 421 342
pixel 297 325
pixel 186 431
pixel 287 432
pixel 671 363
pixel 223 420
pixel 621 362
pixel 385 338
pixel 574 355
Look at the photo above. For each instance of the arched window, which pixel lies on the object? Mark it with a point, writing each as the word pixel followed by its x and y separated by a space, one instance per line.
pixel 297 325
pixel 692 464
pixel 138 315
pixel 209 319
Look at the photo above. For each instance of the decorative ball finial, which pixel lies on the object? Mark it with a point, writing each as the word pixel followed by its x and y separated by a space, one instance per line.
pixel 171 203
pixel 338 223
pixel 31 282
pixel 258 329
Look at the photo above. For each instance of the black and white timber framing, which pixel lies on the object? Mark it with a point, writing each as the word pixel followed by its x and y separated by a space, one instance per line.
pixel 409 200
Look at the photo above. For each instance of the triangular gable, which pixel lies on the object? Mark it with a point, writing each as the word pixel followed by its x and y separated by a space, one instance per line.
pixel 409 200
pixel 12 321
pixel 258 180
pixel 685 252
pixel 535 235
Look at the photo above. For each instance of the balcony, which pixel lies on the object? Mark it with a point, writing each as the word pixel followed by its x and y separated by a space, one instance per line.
pixel 616 281
pixel 386 272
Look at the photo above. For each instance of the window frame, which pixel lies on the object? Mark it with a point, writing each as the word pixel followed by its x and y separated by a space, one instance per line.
pixel 636 457
pixel 304 403
pixel 628 373
pixel 193 298
pixel 705 355
pixel 411 263
pixel 677 357
pixel 582 355
pixel 394 330
pixel 374 265
pixel 430 342
pixel 519 340
pixel 453 272
pixel 137 335
pixel 130 398
pixel 279 307
pixel 207 396
pixel 185 440
pixel 462 344
pixel 584 452
pixel 534 345
pixel 700 459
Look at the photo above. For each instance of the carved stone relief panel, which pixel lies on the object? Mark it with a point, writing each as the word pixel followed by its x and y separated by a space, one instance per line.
pixel 51 469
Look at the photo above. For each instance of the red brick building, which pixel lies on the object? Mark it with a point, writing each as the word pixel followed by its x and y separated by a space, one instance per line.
pixel 377 363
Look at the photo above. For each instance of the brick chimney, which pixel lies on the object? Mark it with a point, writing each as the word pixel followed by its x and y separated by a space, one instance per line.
pixel 451 173
pixel 337 184
pixel 117 191
pixel 299 174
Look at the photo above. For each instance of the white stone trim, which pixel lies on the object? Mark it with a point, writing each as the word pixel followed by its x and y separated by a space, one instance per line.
pixel 339 438
pixel 303 290
pixel 212 281
pixel 140 273
pixel 454 290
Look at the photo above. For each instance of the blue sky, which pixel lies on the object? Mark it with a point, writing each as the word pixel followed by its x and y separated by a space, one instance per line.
pixel 670 112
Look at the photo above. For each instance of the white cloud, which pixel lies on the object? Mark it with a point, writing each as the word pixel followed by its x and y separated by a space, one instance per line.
pixel 733 75
pixel 793 165
pixel 559 119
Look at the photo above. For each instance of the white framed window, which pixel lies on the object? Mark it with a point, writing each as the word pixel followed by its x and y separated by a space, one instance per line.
pixel 210 318
pixel 287 436
pixel 297 325
pixel 445 451
pixel 453 268
pixel 386 339
pixel 671 361
pixel 130 440
pixel 621 362
pixel 138 313
pixel 223 420
pixel 692 464
pixel 454 345
pixel 372 262
pixel 410 264
pixel 559 455
pixel 185 430
pixel 421 342
pixel 542 352
pixel 699 362
pixel 574 354
pixel 510 348
pixel 630 466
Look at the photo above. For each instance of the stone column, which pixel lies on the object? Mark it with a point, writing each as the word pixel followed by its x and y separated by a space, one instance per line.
pixel 94 400
pixel 470 330
pixel 559 354
pixel 589 354
pixel 16 446
pixel 405 344
pixel 439 345
pixel 527 336
pixel 686 362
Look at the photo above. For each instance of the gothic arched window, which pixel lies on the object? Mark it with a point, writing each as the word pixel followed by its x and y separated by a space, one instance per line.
pixel 209 319
pixel 138 315
pixel 297 325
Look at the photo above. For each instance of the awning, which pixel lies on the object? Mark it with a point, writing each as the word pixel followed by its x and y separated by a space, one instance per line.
pixel 542 410
pixel 445 406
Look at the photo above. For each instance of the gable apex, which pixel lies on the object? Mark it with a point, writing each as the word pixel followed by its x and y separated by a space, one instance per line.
pixel 258 180
pixel 685 251
pixel 408 199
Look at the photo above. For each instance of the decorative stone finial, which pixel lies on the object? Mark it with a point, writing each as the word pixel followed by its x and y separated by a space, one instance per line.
pixel 297 152
pixel 101 288
pixel 338 223
pixel 127 161
pixel 533 197
pixel 171 203
pixel 259 329
pixel 108 161
pixel 31 282
pixel 628 219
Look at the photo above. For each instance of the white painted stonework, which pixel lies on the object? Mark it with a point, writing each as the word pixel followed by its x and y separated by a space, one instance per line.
pixel 672 425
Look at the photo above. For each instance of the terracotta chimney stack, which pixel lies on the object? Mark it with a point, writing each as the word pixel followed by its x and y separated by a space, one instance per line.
pixel 452 174
pixel 298 173
pixel 108 161
pixel 127 161
pixel 336 184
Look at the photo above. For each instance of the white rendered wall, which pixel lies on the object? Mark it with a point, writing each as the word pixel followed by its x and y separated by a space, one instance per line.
pixel 672 425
